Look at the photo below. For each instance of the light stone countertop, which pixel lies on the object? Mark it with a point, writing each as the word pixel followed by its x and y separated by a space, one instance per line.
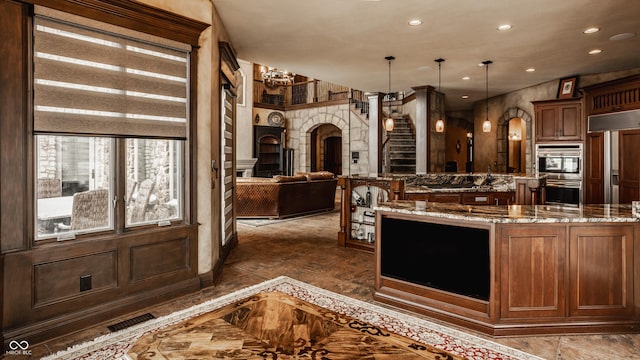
pixel 525 214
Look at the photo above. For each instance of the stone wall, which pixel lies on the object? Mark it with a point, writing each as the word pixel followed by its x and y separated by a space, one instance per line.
pixel 353 130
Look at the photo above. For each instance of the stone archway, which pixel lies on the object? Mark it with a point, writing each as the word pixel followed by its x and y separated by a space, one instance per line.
pixel 503 138
pixel 305 130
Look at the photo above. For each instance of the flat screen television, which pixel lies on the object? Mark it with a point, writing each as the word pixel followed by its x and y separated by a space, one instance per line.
pixel 445 257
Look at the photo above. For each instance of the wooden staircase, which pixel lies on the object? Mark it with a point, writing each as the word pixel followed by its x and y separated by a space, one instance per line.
pixel 401 147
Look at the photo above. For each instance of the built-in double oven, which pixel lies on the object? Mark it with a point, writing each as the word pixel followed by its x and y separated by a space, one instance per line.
pixel 562 166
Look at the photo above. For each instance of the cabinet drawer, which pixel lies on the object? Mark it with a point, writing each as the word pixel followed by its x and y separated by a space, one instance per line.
pixel 445 198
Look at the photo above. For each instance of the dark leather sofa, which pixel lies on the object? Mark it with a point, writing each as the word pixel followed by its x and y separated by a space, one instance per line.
pixel 285 196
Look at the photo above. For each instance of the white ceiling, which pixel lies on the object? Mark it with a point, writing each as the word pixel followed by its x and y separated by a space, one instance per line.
pixel 346 41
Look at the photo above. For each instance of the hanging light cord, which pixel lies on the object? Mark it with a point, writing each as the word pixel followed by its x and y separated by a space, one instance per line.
pixel 486 64
pixel 389 91
pixel 389 58
pixel 439 75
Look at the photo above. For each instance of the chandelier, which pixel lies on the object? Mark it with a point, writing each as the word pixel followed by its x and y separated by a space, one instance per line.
pixel 274 77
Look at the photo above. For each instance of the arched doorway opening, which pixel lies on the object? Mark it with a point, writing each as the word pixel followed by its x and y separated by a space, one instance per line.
pixel 516 155
pixel 515 146
pixel 325 149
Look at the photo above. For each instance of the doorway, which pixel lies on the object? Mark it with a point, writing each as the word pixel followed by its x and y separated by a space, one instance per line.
pixel 326 149
pixel 516 155
pixel 515 143
pixel 333 154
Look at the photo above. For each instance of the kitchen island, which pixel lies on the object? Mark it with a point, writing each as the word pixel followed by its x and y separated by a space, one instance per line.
pixel 513 269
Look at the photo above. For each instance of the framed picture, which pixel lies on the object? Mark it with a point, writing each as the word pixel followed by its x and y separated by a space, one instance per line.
pixel 567 88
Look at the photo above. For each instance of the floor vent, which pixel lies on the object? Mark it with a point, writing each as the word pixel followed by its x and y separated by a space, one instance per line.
pixel 130 322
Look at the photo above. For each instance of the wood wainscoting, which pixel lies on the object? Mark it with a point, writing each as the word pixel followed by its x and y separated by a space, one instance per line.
pixel 58 288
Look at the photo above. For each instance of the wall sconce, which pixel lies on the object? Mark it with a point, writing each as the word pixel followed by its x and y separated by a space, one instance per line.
pixel 458 146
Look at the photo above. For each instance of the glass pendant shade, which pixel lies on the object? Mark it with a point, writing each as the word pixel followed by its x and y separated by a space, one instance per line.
pixel 389 124
pixel 486 125
pixel 440 122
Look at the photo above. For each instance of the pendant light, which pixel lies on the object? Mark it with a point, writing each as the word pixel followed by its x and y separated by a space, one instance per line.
pixel 388 122
pixel 440 121
pixel 486 125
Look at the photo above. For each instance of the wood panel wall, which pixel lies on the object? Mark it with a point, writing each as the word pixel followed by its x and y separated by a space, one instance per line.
pixel 51 288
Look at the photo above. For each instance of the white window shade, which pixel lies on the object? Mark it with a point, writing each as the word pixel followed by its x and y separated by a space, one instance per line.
pixel 88 81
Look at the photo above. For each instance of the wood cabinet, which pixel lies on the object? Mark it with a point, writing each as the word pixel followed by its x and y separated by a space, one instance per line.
pixel 536 290
pixel 594 169
pixel 465 197
pixel 503 198
pixel 629 157
pixel 558 120
pixel 611 97
pixel 358 196
pixel 517 278
pixel 601 278
pixel 268 150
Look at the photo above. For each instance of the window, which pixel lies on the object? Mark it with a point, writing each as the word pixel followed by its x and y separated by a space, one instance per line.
pixel 74 183
pixel 100 93
pixel 153 181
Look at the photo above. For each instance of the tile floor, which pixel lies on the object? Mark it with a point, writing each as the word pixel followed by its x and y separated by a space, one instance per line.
pixel 306 249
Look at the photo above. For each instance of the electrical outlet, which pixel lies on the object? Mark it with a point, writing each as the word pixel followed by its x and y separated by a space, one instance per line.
pixel 85 282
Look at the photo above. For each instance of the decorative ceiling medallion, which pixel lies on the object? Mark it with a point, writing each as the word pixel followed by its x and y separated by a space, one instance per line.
pixel 275 118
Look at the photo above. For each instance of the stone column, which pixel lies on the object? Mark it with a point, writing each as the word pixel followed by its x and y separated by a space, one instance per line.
pixel 422 129
pixel 374 132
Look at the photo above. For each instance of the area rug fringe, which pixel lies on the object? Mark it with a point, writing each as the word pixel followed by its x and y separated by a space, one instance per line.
pixel 116 345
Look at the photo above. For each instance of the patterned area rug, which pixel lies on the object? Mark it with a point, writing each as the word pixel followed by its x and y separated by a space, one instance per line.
pixel 287 319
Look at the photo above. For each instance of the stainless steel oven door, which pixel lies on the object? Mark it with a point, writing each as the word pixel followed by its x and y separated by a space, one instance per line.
pixel 563 192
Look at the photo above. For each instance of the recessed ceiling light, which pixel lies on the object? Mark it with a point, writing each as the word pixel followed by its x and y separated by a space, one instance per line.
pixel 466 78
pixel 424 67
pixel 530 70
pixel 465 96
pixel 504 27
pixel 595 51
pixel 622 36
pixel 415 22
pixel 591 30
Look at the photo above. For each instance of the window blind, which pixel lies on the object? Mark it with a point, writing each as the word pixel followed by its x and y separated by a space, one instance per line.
pixel 88 81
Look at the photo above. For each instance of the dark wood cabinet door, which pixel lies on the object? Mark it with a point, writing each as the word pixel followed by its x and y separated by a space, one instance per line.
pixel 506 198
pixel 594 169
pixel 559 120
pixel 601 270
pixel 546 120
pixel 569 122
pixel 629 153
pixel 537 289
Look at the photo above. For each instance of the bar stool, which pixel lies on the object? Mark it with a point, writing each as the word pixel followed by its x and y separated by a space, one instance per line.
pixel 537 189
